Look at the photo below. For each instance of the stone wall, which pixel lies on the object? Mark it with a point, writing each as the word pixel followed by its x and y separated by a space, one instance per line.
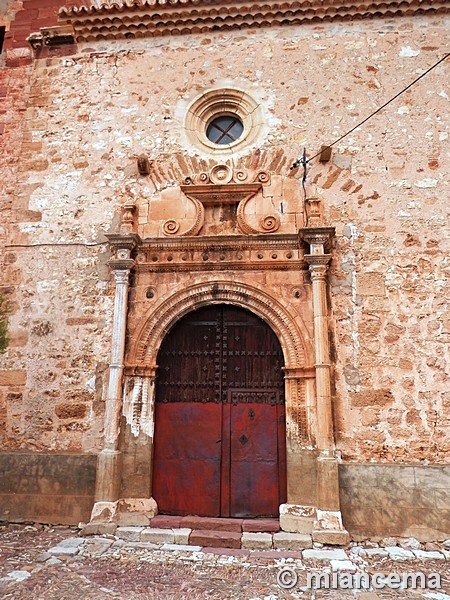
pixel 72 130
pixel 395 500
pixel 46 488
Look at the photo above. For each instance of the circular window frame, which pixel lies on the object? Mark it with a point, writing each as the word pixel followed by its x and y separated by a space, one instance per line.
pixel 223 102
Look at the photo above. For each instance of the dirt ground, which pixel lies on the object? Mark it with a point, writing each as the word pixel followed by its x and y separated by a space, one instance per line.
pixel 138 572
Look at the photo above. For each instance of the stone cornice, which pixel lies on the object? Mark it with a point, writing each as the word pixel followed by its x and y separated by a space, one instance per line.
pixel 147 18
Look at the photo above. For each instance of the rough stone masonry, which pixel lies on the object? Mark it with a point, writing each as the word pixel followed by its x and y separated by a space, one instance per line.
pixel 73 121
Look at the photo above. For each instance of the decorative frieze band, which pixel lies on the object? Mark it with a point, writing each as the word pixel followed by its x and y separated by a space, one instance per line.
pixel 135 18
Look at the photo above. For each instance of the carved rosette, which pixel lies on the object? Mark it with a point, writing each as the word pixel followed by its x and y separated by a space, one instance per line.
pixel 270 223
pixel 221 174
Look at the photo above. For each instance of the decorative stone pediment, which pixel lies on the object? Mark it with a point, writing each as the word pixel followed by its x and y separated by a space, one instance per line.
pixel 223 185
pixel 205 195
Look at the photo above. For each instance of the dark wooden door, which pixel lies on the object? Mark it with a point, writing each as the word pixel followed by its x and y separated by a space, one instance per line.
pixel 220 422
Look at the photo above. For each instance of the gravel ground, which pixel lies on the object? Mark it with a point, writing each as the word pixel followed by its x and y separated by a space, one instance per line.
pixel 104 568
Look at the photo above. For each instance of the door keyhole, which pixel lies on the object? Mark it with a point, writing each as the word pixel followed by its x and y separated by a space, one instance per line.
pixel 251 413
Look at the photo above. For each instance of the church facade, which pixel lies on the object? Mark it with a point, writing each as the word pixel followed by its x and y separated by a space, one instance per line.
pixel 226 299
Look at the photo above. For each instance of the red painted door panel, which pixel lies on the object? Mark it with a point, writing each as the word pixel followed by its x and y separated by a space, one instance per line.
pixel 254 460
pixel 219 424
pixel 187 458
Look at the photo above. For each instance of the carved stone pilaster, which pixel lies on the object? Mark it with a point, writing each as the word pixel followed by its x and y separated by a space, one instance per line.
pixel 109 459
pixel 139 403
pixel 328 527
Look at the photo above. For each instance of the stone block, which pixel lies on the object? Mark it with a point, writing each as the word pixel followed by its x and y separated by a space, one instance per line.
pixel 136 511
pixel 157 536
pixel 13 377
pixel 211 524
pixel 98 529
pixel 215 539
pixel 396 553
pixel 333 537
pixel 371 284
pixel 324 555
pixel 291 541
pixel 256 541
pixel 261 525
pixel 181 536
pixel 129 534
pixel 296 519
pixel 428 555
pixel 181 547
pixel 165 522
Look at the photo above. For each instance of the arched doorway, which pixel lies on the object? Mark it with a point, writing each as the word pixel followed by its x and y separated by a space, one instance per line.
pixel 220 441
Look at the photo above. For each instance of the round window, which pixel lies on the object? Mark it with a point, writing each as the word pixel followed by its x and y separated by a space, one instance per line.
pixel 224 129
pixel 224 119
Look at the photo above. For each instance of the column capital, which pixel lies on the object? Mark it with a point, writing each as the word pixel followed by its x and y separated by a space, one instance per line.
pixel 121 267
pixel 299 372
pixel 318 265
pixel 125 241
pixel 140 370
pixel 317 238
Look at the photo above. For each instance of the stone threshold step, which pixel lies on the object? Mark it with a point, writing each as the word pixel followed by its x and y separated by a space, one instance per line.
pixel 215 524
pixel 216 539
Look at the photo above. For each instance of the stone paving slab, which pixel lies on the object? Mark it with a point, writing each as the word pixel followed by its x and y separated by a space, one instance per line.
pixel 68 547
pixel 337 554
pixel 428 555
pixel 226 551
pixel 181 548
pixel 397 553
pixel 157 536
pixel 129 534
pixel 219 539
pixel 256 541
pixel 291 541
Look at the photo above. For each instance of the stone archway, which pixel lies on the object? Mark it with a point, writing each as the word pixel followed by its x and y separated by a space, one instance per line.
pixel 299 373
pixel 220 439
pixel 289 329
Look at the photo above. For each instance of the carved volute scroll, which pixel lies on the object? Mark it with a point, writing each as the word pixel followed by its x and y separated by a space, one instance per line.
pixel 224 185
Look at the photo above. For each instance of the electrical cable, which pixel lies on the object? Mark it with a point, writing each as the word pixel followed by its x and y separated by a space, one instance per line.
pixel 299 162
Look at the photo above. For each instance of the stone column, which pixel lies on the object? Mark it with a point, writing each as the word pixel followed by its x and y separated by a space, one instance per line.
pixel 328 526
pixel 109 460
pixel 318 270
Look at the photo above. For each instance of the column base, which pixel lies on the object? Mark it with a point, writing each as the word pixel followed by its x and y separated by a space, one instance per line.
pixel 137 511
pixel 328 529
pixel 104 519
pixel 126 512
pixel 295 518
pixel 107 485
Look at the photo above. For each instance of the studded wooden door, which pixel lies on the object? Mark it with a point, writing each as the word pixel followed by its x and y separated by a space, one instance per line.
pixel 220 446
